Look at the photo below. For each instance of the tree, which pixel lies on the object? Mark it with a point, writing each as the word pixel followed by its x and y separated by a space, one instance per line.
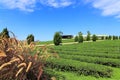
pixel 5 33
pixel 102 38
pixel 57 38
pixel 114 37
pixel 76 39
pixel 94 37
pixel 106 37
pixel 110 37
pixel 117 37
pixel 30 38
pixel 88 36
pixel 80 38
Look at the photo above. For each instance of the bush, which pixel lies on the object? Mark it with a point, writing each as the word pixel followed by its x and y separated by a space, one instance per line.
pixel 102 38
pixel 96 60
pixel 110 37
pixel 57 39
pixel 114 37
pixel 30 38
pixel 88 36
pixel 80 38
pixel 17 64
pixel 51 74
pixel 76 39
pixel 4 33
pixel 94 37
pixel 82 68
pixel 106 37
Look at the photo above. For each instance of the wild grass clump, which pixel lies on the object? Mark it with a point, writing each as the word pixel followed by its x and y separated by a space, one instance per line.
pixel 16 63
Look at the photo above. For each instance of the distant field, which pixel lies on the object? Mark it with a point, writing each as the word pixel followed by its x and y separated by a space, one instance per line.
pixel 51 42
pixel 86 61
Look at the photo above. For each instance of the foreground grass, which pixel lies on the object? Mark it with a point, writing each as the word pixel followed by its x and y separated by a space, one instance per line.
pixel 74 76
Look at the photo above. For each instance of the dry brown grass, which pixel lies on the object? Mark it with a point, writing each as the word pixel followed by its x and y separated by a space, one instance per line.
pixel 16 63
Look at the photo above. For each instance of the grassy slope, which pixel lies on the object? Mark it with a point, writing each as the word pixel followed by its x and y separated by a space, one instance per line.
pixel 51 42
pixel 107 47
pixel 74 76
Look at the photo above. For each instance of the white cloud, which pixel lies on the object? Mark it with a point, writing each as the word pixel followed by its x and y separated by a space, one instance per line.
pixel 24 5
pixel 30 5
pixel 57 3
pixel 108 7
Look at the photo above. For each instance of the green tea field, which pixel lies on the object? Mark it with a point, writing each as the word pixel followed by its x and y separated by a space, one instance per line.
pixel 86 61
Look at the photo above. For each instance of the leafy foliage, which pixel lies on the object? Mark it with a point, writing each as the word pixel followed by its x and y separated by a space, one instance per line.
pixel 94 37
pixel 80 38
pixel 57 39
pixel 30 38
pixel 76 39
pixel 96 60
pixel 101 52
pixel 79 67
pixel 102 38
pixel 5 33
pixel 88 36
pixel 110 37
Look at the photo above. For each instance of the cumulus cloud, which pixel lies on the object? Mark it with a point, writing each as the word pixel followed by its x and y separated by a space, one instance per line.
pixel 108 7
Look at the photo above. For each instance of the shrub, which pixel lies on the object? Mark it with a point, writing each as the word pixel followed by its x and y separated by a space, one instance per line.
pixel 82 68
pixel 30 38
pixel 106 37
pixel 102 38
pixel 17 64
pixel 76 39
pixel 96 60
pixel 114 37
pixel 4 33
pixel 110 37
pixel 117 37
pixel 88 36
pixel 94 37
pixel 57 39
pixel 80 38
pixel 51 74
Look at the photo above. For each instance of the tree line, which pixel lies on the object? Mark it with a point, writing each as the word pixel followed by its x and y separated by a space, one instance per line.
pixel 57 38
pixel 80 38
pixel 5 34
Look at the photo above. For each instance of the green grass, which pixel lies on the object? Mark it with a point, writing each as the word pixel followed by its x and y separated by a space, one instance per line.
pixel 79 67
pixel 51 42
pixel 73 76
pixel 105 53
pixel 96 60
pixel 67 40
pixel 45 42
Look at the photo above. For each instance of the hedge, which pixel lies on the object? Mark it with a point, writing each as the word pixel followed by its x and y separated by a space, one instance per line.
pixel 81 68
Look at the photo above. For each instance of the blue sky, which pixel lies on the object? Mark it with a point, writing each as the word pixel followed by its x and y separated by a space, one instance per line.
pixel 43 18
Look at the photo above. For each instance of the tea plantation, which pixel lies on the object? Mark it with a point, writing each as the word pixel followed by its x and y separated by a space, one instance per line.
pixel 86 61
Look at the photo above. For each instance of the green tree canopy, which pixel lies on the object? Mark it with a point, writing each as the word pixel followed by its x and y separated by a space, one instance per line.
pixel 5 33
pixel 80 38
pixel 76 39
pixel 57 38
pixel 30 38
pixel 94 37
pixel 88 36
